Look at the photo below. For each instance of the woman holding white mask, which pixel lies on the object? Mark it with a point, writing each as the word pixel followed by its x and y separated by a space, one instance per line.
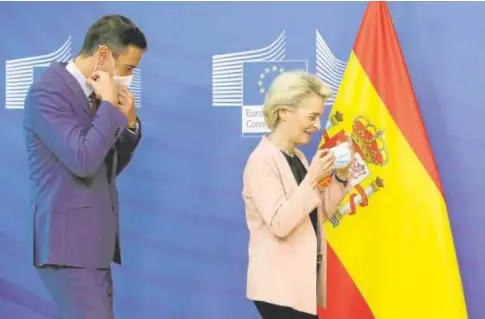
pixel 285 207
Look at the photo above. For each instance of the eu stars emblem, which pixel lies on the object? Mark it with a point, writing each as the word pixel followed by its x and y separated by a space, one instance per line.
pixel 257 78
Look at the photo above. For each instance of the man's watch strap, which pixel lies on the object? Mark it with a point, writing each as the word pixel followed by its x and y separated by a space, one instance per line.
pixel 134 129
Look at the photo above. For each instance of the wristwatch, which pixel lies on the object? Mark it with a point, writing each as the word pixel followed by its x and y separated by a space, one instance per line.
pixel 137 125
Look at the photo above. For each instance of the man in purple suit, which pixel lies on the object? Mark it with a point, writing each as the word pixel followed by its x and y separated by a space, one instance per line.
pixel 81 130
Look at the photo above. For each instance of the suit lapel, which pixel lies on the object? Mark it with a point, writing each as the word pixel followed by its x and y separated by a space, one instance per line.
pixel 73 85
pixel 321 248
pixel 287 177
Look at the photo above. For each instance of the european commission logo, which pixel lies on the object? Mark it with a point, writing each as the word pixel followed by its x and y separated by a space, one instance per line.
pixel 21 73
pixel 242 79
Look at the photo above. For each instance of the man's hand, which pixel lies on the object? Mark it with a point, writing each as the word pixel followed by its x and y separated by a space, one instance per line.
pixel 104 87
pixel 126 105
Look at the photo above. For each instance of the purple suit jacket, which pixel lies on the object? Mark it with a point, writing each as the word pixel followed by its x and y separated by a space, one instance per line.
pixel 73 172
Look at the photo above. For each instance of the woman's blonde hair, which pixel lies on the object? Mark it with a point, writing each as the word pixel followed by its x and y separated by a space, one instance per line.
pixel 287 90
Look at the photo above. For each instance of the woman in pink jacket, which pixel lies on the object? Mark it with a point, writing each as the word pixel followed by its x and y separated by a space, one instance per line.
pixel 285 207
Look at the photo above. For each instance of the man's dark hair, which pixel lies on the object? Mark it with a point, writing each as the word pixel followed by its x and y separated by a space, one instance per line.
pixel 114 31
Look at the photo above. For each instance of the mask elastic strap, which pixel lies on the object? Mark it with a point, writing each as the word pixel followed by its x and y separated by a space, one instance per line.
pixel 112 60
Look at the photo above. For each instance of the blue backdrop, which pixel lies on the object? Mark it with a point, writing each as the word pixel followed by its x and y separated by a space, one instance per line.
pixel 183 228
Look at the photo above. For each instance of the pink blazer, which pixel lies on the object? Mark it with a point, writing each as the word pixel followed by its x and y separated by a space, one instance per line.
pixel 282 243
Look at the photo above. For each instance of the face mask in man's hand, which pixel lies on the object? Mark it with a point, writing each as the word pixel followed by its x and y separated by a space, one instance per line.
pixel 343 155
pixel 123 80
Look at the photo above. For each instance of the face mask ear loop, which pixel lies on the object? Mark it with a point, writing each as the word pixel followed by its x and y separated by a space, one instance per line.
pixel 96 65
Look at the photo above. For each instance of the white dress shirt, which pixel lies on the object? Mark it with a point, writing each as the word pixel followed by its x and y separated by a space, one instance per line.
pixel 80 78
pixel 88 90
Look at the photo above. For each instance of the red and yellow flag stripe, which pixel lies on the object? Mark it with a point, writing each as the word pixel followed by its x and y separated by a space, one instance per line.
pixel 395 258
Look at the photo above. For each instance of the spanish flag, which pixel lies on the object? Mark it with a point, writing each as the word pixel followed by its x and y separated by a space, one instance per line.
pixel 390 252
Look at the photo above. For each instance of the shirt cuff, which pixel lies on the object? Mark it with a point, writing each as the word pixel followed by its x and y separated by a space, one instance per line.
pixel 135 129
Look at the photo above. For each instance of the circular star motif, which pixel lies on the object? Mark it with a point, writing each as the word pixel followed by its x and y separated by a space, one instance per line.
pixel 266 72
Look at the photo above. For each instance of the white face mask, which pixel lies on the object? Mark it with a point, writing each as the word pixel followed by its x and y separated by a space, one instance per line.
pixel 343 155
pixel 119 80
pixel 123 80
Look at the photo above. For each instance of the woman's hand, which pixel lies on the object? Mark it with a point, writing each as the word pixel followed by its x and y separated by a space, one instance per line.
pixel 322 165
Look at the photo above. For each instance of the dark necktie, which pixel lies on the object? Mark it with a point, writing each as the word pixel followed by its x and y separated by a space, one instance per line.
pixel 94 103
